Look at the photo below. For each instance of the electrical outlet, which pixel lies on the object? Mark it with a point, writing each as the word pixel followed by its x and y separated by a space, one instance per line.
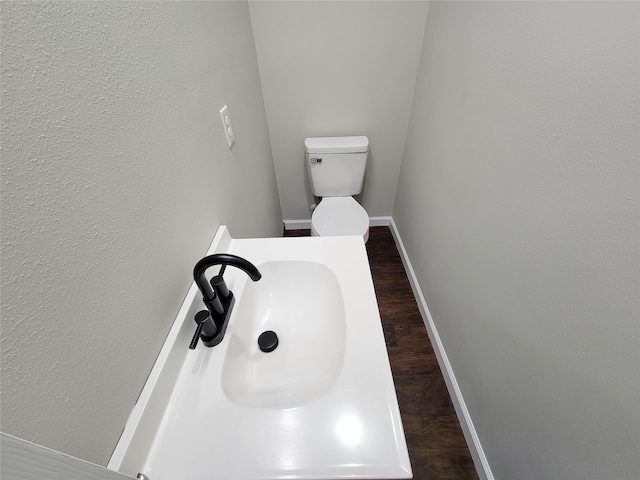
pixel 226 124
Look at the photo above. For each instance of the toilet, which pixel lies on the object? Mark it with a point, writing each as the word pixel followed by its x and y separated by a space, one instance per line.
pixel 336 167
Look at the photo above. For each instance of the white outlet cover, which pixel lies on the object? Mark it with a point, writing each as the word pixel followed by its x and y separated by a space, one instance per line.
pixel 226 124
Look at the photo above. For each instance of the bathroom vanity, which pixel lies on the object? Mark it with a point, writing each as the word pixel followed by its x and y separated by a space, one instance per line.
pixel 322 405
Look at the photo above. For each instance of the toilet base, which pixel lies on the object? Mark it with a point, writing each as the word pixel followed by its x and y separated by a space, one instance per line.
pixel 365 236
pixel 339 216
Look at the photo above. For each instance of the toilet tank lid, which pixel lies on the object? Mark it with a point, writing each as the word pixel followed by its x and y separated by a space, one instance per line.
pixel 336 144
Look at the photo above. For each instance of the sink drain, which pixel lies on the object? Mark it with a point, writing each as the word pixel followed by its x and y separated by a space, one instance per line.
pixel 268 341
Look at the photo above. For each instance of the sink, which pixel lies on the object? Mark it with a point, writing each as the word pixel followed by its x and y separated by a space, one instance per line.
pixel 301 301
pixel 321 405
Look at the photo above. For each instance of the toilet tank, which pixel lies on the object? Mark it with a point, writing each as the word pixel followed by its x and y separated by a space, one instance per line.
pixel 336 165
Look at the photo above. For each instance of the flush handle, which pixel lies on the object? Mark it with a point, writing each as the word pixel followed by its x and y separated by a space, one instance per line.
pixel 316 160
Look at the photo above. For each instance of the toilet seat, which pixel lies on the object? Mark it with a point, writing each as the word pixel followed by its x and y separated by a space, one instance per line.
pixel 340 216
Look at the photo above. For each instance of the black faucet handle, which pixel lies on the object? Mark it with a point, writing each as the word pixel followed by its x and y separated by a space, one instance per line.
pixel 220 286
pixel 206 328
pixel 196 337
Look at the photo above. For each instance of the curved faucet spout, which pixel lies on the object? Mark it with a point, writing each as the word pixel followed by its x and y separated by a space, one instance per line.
pixel 223 259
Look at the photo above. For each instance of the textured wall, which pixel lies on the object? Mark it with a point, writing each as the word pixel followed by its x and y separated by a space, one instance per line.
pixel 115 176
pixel 518 204
pixel 332 69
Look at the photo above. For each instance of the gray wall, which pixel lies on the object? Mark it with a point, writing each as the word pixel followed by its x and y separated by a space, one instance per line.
pixel 115 177
pixel 338 68
pixel 518 204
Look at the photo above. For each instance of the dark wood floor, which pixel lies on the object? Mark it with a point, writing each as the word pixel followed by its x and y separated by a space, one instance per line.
pixel 437 448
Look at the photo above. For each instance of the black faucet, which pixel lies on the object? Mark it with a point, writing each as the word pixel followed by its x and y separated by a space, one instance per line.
pixel 212 323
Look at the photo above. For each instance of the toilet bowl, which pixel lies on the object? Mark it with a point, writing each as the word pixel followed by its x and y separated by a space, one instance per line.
pixel 340 216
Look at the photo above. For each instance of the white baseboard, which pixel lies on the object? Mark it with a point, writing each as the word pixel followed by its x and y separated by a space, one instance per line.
pixel 297 224
pixel 468 429
pixel 379 221
pixel 306 224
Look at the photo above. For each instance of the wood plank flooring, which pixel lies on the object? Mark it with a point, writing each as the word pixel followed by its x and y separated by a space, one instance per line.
pixel 437 447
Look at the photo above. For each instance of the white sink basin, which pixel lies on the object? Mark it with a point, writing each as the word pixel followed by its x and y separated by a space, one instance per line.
pixel 301 301
pixel 322 405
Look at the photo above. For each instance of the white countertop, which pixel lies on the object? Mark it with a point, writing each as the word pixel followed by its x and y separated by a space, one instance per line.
pixel 351 428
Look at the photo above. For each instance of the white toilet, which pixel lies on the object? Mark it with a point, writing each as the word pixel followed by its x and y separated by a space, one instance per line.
pixel 336 167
